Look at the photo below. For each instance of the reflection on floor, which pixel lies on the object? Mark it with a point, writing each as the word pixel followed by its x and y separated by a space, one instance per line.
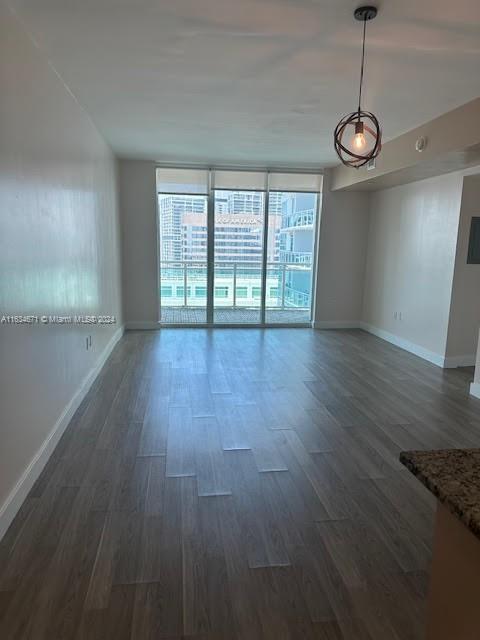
pixel 197 315
pixel 229 484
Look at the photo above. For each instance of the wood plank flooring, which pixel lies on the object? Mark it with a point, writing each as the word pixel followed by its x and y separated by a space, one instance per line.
pixel 237 484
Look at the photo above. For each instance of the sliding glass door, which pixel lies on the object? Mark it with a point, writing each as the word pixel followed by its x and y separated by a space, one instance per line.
pixel 292 224
pixel 239 238
pixel 236 247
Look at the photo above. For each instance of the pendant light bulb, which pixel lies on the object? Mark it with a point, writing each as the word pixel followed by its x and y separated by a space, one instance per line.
pixel 359 141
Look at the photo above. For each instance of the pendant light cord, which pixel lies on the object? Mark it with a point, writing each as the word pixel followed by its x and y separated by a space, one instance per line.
pixel 362 66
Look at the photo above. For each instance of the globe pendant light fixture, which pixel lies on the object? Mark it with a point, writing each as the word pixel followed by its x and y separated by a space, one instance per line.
pixel 358 137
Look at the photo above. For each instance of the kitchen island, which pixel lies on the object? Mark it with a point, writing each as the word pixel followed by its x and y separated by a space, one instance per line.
pixel 453 476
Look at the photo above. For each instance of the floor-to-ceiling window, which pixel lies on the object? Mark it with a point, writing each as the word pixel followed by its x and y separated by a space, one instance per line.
pixel 236 247
pixel 182 226
pixel 239 231
pixel 291 251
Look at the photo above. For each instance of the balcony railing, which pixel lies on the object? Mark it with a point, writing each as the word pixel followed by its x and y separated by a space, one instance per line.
pixel 298 219
pixel 296 257
pixel 236 285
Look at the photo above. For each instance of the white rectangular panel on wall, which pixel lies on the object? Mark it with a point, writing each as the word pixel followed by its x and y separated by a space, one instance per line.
pixel 240 180
pixel 295 182
pixel 182 180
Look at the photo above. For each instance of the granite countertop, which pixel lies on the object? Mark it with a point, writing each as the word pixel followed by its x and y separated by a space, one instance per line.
pixel 453 476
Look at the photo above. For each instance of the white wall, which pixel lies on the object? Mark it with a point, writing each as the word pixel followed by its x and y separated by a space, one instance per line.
pixel 341 257
pixel 410 265
pixel 59 254
pixel 138 208
pixel 465 305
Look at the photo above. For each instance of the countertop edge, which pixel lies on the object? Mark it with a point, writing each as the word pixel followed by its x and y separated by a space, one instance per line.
pixel 432 486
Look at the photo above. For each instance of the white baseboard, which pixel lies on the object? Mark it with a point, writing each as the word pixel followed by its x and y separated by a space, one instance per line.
pixel 336 324
pixel 452 362
pixel 475 389
pixel 416 349
pixel 141 325
pixel 18 494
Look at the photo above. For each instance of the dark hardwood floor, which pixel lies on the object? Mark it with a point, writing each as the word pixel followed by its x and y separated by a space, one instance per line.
pixel 237 484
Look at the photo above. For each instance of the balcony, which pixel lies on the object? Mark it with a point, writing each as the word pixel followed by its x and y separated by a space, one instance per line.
pixel 237 292
pixel 298 220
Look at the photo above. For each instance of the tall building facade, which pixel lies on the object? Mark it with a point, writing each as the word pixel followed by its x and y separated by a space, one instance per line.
pixel 297 244
pixel 238 227
pixel 172 210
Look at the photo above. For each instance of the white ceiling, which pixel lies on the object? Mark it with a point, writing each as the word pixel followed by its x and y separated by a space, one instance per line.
pixel 256 82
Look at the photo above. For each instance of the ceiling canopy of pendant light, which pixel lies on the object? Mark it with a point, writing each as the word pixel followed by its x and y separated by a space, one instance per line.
pixel 358 136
